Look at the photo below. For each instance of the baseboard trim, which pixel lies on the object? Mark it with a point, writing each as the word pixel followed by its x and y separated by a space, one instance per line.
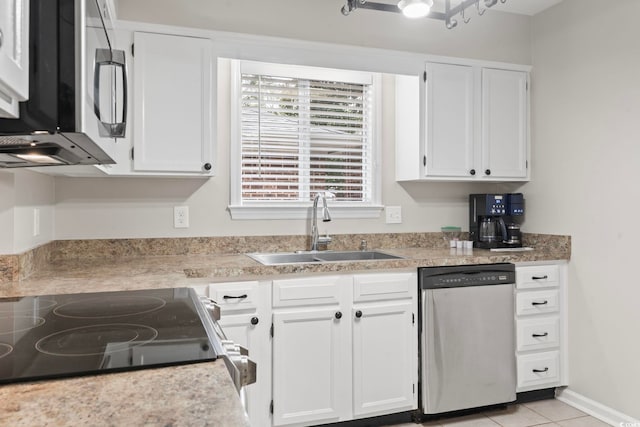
pixel 596 409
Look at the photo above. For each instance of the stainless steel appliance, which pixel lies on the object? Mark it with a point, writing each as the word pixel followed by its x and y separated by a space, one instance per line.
pixel 467 338
pixel 53 336
pixel 77 87
pixel 494 220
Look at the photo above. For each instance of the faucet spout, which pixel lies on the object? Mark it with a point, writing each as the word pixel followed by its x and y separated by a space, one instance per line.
pixel 326 217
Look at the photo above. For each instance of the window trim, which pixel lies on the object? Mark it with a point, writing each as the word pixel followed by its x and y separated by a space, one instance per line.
pixel 300 210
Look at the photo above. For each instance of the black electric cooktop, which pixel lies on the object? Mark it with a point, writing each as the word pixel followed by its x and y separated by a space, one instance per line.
pixel 53 336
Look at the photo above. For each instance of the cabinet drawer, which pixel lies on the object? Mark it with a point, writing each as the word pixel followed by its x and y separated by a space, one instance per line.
pixel 384 286
pixel 308 291
pixel 539 369
pixel 233 296
pixel 537 302
pixel 538 333
pixel 537 276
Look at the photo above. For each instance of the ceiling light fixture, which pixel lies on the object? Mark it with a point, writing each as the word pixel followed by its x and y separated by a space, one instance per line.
pixel 415 8
pixel 422 8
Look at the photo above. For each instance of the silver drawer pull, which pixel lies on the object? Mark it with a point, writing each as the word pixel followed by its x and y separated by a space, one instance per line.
pixel 540 335
pixel 545 277
pixel 539 371
pixel 540 303
pixel 243 296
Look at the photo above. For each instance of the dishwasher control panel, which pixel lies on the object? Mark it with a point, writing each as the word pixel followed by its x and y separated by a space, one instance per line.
pixel 468 275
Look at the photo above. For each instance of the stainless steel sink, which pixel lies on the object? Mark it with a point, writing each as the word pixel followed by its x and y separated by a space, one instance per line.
pixel 283 258
pixel 355 256
pixel 277 258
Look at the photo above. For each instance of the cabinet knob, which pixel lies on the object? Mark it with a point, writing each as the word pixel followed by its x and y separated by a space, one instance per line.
pixel 358 314
pixel 338 315
pixel 254 320
pixel 472 172
pixel 487 172
pixel 207 166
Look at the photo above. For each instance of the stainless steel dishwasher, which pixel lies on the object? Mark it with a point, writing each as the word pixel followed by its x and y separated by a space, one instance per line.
pixel 467 337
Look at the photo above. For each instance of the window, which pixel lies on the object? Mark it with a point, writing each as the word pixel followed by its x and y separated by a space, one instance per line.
pixel 299 131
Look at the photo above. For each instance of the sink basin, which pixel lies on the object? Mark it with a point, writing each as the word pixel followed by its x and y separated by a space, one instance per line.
pixel 283 258
pixel 277 258
pixel 355 256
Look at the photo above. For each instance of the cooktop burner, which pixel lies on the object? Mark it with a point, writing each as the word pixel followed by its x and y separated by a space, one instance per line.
pixel 5 349
pixel 76 334
pixel 10 325
pixel 95 340
pixel 109 307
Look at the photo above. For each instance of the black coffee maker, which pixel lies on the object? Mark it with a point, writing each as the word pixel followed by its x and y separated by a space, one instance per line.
pixel 495 219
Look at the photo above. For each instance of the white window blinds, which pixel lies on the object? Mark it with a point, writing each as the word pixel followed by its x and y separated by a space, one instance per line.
pixel 301 136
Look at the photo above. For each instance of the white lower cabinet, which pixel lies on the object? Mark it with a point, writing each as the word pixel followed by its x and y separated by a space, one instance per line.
pixel 344 347
pixel 383 369
pixel 309 366
pixel 245 309
pixel 541 324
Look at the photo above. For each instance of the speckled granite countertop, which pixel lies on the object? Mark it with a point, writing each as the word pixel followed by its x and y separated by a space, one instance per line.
pixel 106 274
pixel 200 394
pixel 192 394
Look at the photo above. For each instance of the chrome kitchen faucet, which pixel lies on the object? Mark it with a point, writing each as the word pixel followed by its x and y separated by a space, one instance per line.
pixel 326 217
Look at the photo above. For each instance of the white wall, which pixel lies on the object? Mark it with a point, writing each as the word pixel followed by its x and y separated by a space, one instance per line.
pixel 138 207
pixel 21 192
pixel 586 166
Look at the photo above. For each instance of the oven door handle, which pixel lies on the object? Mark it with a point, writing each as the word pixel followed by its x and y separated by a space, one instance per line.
pixel 115 58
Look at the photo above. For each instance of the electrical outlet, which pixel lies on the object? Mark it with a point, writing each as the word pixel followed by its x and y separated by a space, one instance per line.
pixel 393 214
pixel 36 222
pixel 181 217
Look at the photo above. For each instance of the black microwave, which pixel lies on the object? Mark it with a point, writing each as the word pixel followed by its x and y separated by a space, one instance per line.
pixel 77 88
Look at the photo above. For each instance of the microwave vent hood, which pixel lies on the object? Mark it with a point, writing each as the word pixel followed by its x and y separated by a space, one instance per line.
pixel 54 124
pixel 50 149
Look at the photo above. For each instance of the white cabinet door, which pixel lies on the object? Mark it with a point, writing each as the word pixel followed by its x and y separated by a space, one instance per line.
pixel 14 55
pixel 246 319
pixel 504 124
pixel 172 120
pixel 310 366
pixel 251 330
pixel 449 120
pixel 384 358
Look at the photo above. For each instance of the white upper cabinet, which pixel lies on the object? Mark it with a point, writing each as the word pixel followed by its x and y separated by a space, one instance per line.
pixel 449 120
pixel 172 104
pixel 504 123
pixel 14 55
pixel 473 123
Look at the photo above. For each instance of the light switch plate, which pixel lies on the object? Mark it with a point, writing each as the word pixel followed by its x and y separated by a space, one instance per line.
pixel 393 214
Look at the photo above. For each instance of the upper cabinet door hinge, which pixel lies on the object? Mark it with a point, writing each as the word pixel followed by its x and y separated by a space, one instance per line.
pixel 424 76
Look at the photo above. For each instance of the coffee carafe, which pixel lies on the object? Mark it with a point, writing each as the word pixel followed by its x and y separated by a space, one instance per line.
pixel 494 220
pixel 490 229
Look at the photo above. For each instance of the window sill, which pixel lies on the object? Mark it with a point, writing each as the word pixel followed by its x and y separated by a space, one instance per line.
pixel 302 211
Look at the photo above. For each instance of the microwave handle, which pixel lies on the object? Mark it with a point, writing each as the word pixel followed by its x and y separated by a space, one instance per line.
pixel 115 58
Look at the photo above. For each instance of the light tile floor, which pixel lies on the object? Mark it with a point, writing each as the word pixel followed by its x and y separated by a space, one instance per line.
pixel 547 413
